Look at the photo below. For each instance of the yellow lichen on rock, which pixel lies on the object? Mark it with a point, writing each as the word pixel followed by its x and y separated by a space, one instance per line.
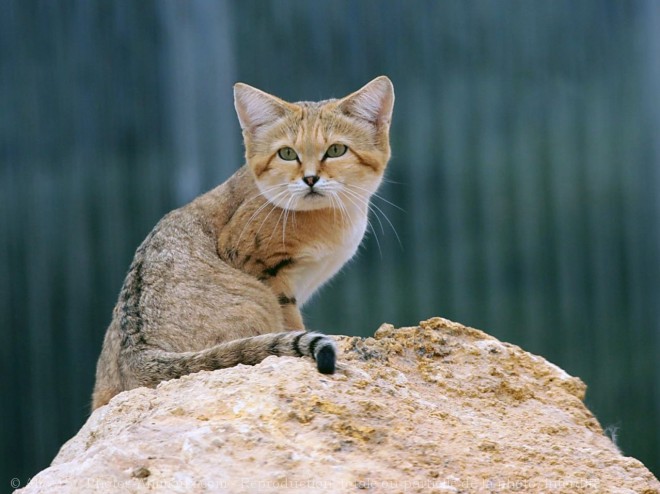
pixel 438 407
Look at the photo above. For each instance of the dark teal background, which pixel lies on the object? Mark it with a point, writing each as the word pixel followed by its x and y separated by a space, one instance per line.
pixel 525 157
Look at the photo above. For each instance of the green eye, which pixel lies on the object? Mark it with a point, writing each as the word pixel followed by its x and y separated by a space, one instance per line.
pixel 336 150
pixel 287 154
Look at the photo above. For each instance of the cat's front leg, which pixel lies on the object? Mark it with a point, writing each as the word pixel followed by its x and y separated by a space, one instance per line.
pixel 291 316
pixel 290 313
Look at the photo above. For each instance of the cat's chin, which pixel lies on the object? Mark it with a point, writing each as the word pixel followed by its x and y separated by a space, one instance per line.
pixel 308 202
pixel 311 201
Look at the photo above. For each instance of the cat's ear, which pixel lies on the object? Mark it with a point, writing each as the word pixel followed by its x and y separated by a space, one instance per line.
pixel 373 102
pixel 255 107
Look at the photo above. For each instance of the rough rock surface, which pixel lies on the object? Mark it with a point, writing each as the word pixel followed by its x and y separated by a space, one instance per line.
pixel 435 408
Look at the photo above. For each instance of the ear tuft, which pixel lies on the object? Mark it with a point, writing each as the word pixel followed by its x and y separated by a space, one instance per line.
pixel 255 107
pixel 373 102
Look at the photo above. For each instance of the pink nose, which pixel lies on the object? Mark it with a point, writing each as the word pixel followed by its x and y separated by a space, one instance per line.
pixel 311 180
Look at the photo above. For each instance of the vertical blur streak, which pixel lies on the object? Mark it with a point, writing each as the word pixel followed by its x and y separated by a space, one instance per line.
pixel 651 45
pixel 454 138
pixel 420 178
pixel 198 73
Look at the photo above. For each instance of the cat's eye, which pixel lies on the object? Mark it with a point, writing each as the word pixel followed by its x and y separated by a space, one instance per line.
pixel 336 150
pixel 287 154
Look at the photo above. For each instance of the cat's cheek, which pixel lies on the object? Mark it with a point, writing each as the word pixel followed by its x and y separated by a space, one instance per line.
pixel 359 174
pixel 260 168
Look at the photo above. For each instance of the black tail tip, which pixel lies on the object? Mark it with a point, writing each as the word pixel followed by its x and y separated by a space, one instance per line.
pixel 326 360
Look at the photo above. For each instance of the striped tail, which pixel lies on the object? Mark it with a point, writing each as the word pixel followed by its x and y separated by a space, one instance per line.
pixel 149 366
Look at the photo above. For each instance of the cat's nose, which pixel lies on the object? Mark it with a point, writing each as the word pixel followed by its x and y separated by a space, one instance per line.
pixel 311 180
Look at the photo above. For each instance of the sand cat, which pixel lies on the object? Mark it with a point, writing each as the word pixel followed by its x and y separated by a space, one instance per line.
pixel 220 281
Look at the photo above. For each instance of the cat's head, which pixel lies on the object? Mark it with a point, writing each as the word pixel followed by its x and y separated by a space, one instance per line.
pixel 314 155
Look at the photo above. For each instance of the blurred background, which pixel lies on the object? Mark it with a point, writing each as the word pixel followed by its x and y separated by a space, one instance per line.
pixel 526 153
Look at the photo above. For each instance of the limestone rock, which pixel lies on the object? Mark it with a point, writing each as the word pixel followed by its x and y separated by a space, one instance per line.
pixel 435 408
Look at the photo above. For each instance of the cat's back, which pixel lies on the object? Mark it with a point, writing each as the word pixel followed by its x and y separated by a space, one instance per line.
pixel 179 256
pixel 179 281
pixel 191 231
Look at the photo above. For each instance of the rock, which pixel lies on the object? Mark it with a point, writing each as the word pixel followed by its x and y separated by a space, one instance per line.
pixel 435 408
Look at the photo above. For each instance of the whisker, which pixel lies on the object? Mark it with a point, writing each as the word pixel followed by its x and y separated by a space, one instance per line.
pixel 261 193
pixel 376 210
pixel 272 234
pixel 376 195
pixel 260 208
pixel 333 197
pixel 343 211
pixel 293 217
pixel 369 207
pixel 273 207
pixel 371 226
pixel 283 210
pixel 286 217
pixel 391 225
pixel 390 181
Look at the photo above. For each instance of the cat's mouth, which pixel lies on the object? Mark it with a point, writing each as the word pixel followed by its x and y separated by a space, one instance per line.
pixel 311 199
